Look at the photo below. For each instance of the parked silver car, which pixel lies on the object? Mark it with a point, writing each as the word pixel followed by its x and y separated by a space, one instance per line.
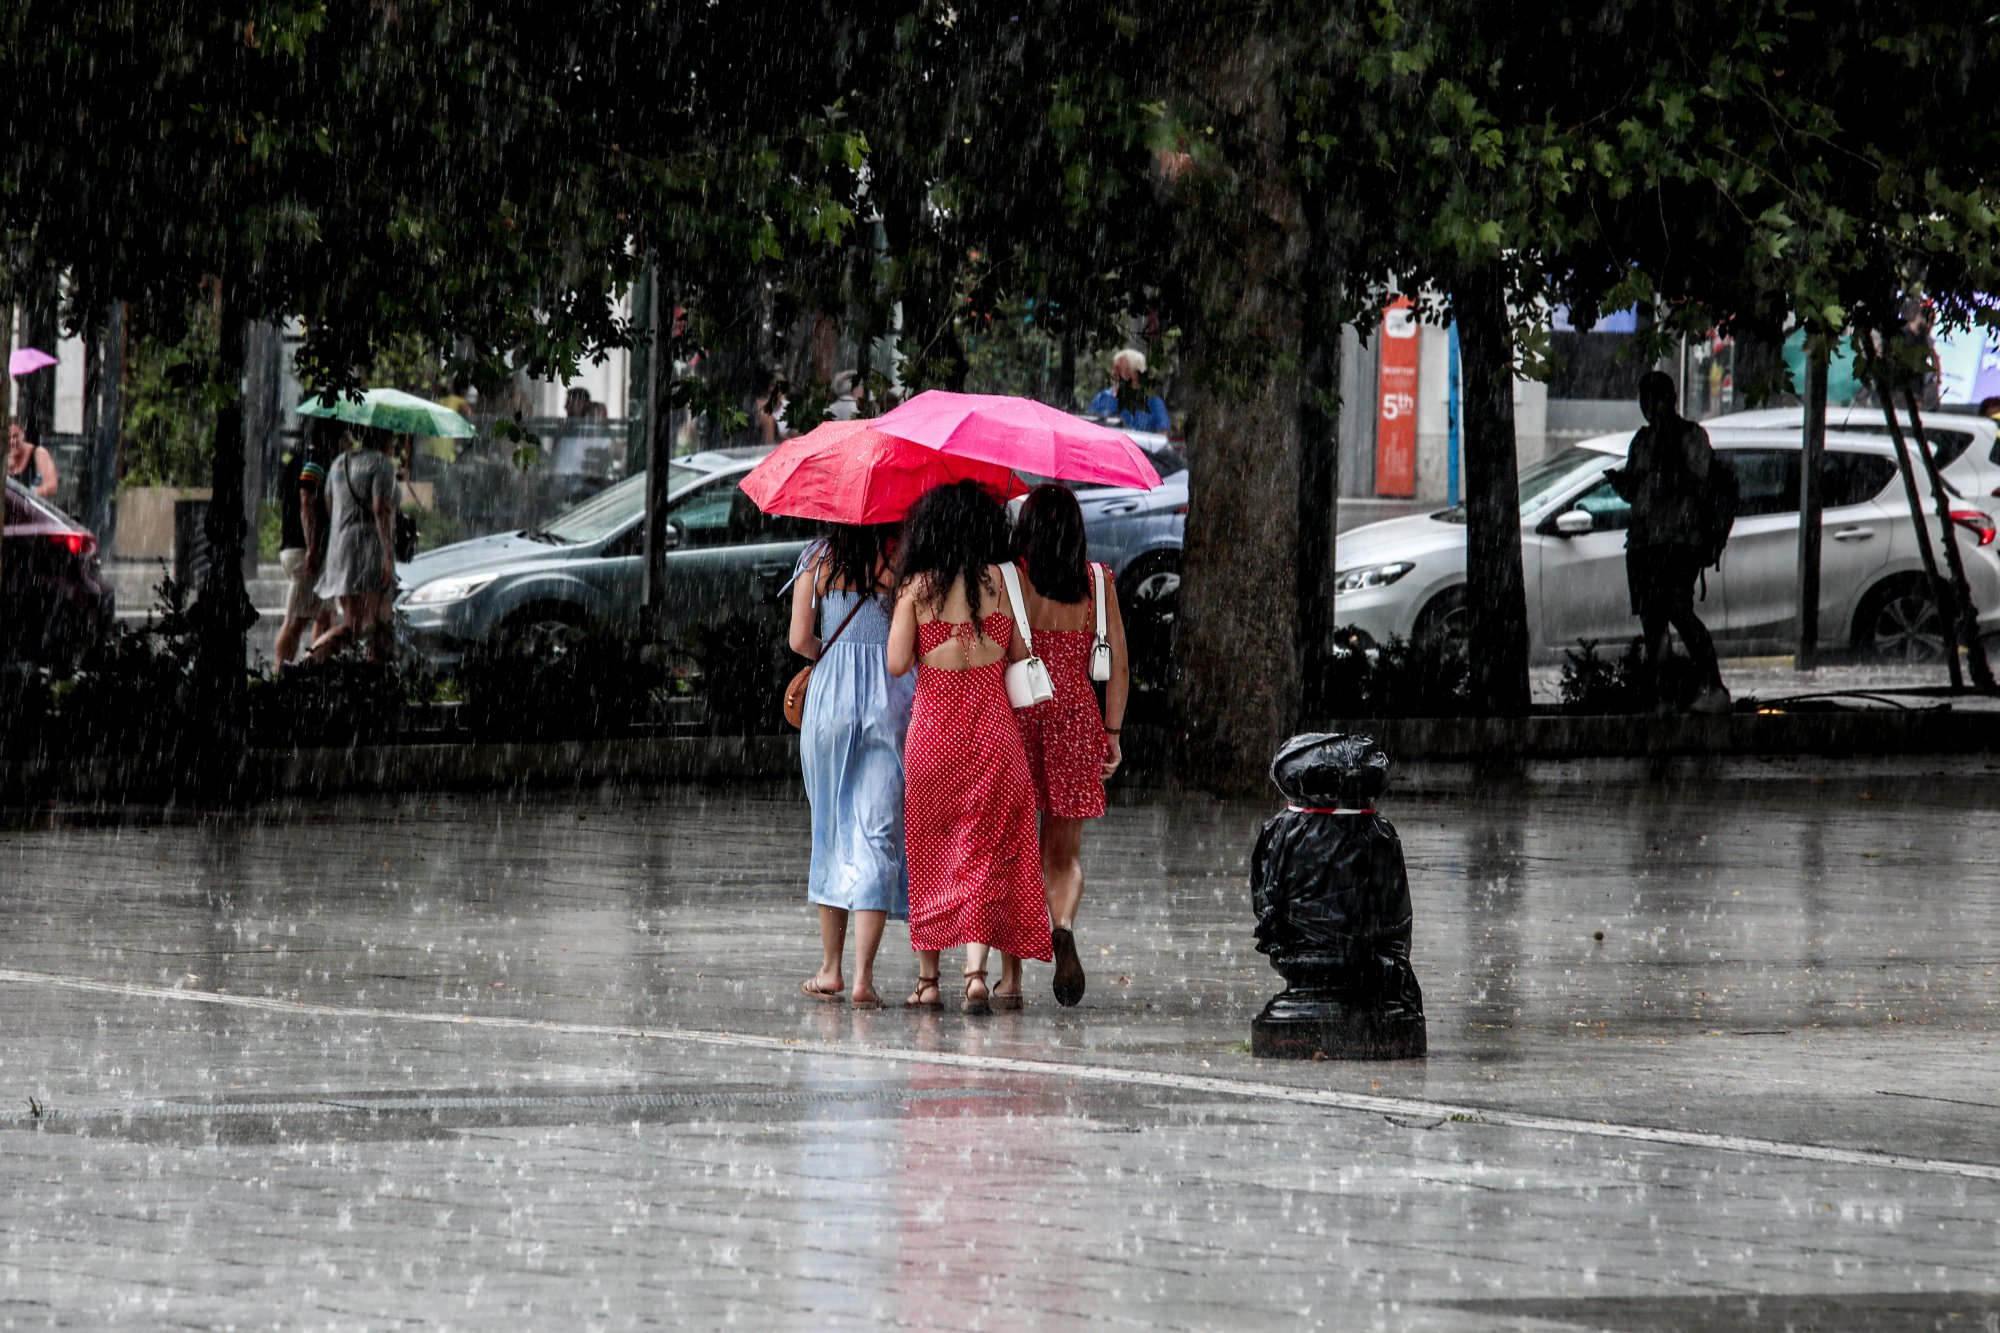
pixel 1406 577
pixel 725 558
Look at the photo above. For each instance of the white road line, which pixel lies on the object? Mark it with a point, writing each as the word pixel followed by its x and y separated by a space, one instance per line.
pixel 1083 1073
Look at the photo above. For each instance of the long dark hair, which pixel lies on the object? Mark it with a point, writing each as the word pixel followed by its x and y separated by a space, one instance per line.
pixel 1049 537
pixel 856 552
pixel 950 533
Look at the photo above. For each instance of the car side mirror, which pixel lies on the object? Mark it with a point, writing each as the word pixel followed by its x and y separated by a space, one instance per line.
pixel 670 537
pixel 1575 522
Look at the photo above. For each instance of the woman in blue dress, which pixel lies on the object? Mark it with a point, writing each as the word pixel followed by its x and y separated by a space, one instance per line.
pixel 851 751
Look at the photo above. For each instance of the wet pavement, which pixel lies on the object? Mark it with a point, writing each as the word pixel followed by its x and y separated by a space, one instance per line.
pixel 472 1062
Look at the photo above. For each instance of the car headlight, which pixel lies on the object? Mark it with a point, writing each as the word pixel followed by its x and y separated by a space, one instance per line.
pixel 439 591
pixel 1363 577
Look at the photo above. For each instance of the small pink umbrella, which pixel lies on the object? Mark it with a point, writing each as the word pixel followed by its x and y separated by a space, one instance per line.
pixel 28 360
pixel 1022 434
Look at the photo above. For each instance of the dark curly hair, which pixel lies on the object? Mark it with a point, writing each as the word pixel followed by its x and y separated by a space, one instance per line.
pixel 855 551
pixel 1049 537
pixel 951 533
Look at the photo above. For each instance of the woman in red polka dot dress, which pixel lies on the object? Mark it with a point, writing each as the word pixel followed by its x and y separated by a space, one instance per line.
pixel 969 804
pixel 1072 746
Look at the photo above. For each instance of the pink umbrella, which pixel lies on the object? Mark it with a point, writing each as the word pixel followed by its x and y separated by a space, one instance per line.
pixel 1021 434
pixel 848 472
pixel 28 360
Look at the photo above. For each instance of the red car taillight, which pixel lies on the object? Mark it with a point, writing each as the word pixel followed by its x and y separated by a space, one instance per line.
pixel 82 543
pixel 1976 523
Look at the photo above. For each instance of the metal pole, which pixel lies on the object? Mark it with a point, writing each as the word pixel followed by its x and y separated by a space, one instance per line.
pixel 658 442
pixel 1452 414
pixel 1810 507
pixel 109 416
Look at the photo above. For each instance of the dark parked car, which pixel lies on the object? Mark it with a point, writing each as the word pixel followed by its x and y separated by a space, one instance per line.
pixel 53 602
pixel 725 559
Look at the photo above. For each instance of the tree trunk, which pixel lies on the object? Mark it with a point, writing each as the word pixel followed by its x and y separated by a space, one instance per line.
pixel 1966 612
pixel 215 748
pixel 1319 479
pixel 1243 247
pixel 1941 592
pixel 1495 593
pixel 41 327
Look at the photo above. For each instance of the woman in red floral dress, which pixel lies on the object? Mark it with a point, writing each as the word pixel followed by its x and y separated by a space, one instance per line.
pixel 969 804
pixel 1072 747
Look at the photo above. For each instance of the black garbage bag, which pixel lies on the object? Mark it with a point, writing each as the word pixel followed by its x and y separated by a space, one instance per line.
pixel 1329 889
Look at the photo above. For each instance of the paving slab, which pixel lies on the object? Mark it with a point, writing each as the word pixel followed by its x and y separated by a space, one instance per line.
pixel 466 1062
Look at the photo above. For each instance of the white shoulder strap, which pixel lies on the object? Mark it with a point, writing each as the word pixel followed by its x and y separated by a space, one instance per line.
pixel 1012 579
pixel 1097 595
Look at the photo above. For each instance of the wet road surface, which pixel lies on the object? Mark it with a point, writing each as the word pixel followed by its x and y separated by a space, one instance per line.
pixel 470 1062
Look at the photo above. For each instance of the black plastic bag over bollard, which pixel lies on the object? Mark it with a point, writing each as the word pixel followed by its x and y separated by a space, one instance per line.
pixel 1333 910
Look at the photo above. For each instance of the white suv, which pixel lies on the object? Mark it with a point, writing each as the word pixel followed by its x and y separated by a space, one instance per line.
pixel 1406 577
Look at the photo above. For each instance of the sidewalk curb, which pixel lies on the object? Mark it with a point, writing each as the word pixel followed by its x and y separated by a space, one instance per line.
pixel 1445 753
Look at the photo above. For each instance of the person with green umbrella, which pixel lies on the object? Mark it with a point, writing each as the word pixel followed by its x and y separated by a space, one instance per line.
pixel 360 569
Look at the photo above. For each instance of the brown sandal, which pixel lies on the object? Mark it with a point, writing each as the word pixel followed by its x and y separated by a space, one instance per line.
pixel 917 1000
pixel 1009 1004
pixel 812 992
pixel 982 1005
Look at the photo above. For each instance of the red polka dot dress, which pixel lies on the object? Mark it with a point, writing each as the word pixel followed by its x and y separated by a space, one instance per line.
pixel 1065 736
pixel 969 808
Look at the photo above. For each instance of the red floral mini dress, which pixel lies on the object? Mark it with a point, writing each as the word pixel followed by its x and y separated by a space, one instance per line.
pixel 1064 737
pixel 969 807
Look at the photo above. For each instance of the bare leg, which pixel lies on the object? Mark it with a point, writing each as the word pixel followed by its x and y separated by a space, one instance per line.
pixel 1062 868
pixel 867 939
pixel 381 627
pixel 832 940
pixel 1010 976
pixel 975 979
pixel 352 610
pixel 926 993
pixel 287 646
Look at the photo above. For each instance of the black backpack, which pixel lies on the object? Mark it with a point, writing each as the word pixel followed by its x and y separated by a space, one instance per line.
pixel 1720 499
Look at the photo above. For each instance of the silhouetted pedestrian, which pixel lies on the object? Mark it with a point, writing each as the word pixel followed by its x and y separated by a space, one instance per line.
pixel 1666 481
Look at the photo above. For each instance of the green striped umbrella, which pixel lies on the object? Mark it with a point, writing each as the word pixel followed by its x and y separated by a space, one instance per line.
pixel 392 410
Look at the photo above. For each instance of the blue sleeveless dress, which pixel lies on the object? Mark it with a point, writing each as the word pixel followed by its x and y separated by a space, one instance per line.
pixel 851 751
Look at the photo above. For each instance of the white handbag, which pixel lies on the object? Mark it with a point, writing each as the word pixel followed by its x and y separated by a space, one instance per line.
pixel 1100 647
pixel 1028 681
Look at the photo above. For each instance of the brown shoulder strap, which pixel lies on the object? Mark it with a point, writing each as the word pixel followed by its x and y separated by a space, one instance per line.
pixel 859 600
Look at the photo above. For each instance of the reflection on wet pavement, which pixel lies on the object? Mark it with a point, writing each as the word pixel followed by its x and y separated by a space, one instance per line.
pixel 461 1060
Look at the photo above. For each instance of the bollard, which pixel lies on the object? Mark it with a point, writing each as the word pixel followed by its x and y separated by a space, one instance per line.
pixel 1333 910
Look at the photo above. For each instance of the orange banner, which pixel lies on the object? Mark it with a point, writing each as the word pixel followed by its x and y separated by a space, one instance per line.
pixel 1396 404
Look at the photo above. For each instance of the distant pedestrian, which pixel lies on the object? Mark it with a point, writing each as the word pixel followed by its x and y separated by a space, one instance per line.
pixel 302 528
pixel 771 427
pixel 969 802
pixel 846 404
pixel 1072 746
pixel 29 464
pixel 360 570
pixel 1666 479
pixel 1126 369
pixel 851 752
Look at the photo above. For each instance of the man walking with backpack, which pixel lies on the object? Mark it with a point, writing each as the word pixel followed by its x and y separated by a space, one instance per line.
pixel 1680 495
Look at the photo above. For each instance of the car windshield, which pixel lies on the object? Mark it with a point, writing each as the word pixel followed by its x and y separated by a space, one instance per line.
pixel 1543 481
pixel 607 512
